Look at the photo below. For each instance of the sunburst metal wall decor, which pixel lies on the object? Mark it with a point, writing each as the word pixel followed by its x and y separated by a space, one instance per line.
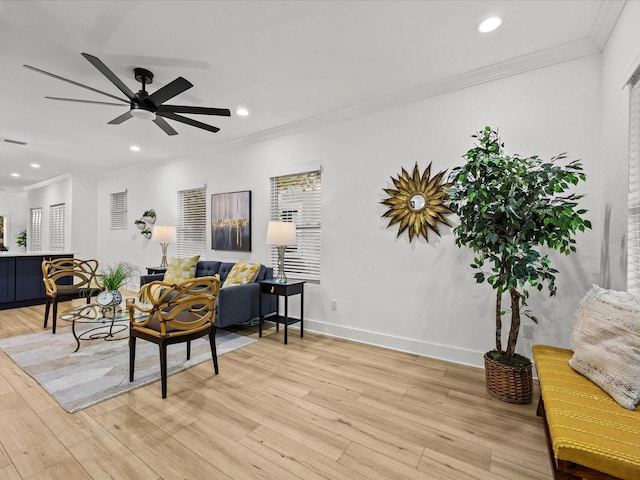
pixel 418 204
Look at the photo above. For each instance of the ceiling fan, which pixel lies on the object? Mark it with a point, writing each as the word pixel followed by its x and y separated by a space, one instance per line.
pixel 142 104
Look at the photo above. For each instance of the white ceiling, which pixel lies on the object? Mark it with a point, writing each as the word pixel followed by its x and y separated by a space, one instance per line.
pixel 293 64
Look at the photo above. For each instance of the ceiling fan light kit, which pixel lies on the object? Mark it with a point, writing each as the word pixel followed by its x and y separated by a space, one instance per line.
pixel 142 104
pixel 143 113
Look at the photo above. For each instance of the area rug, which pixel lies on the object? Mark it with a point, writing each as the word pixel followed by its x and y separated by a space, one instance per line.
pixel 99 370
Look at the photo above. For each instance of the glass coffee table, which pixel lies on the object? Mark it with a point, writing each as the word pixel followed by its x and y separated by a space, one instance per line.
pixel 108 321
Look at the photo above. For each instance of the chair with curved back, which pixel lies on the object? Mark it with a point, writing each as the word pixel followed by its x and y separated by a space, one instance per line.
pixel 177 313
pixel 67 279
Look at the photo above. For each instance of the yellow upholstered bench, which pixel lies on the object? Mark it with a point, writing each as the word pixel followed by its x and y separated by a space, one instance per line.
pixel 589 435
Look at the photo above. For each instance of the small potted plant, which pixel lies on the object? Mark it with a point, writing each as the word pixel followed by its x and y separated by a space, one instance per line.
pixel 21 240
pixel 116 276
pixel 149 216
pixel 509 208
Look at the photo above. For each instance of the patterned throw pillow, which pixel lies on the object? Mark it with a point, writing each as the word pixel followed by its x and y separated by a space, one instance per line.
pixel 181 269
pixel 606 342
pixel 595 294
pixel 242 273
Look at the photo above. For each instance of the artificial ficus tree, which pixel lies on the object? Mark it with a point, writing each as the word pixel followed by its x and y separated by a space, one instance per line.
pixel 509 208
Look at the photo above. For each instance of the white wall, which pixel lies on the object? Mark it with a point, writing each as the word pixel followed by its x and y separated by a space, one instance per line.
pixel 82 221
pixel 417 296
pixel 78 193
pixel 13 207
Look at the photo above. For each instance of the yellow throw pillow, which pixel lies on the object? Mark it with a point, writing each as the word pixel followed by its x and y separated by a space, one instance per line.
pixel 181 269
pixel 242 273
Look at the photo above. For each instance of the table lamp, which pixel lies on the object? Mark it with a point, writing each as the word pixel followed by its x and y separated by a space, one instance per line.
pixel 163 234
pixel 281 234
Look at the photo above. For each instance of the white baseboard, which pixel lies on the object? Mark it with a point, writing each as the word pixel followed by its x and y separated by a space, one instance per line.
pixel 408 345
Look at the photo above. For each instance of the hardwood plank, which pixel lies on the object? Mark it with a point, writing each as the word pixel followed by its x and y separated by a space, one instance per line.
pixel 27 388
pixel 5 385
pixel 301 461
pixel 101 455
pixel 377 439
pixel 435 434
pixel 439 465
pixel 69 469
pixel 267 413
pixel 4 457
pixel 169 457
pixel 229 456
pixel 9 472
pixel 523 467
pixel 26 438
pixel 375 466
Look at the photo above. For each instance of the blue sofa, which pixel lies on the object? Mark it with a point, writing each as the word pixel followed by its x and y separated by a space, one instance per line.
pixel 234 304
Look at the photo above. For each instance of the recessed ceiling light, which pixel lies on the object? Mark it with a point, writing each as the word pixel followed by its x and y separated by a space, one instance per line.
pixel 15 174
pixel 35 165
pixel 243 112
pixel 134 148
pixel 489 25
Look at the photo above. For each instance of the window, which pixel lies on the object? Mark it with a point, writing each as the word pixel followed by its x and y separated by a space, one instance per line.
pixel 192 222
pixel 35 238
pixel 119 210
pixel 633 254
pixel 57 227
pixel 297 198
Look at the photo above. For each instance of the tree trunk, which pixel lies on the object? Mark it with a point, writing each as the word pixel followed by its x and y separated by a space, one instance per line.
pixel 498 321
pixel 503 267
pixel 515 322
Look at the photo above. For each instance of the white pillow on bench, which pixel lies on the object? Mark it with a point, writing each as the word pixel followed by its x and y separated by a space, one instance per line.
pixel 606 343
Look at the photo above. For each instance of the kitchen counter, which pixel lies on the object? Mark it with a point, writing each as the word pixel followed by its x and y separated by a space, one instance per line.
pixel 43 253
pixel 21 282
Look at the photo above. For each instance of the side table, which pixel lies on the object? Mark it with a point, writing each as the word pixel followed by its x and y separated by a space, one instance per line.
pixel 154 270
pixel 271 287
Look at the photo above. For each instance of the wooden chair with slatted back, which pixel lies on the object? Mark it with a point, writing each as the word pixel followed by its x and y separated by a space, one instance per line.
pixel 67 279
pixel 177 313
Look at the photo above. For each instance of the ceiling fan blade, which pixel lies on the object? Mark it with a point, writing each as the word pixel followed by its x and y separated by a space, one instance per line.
pixel 103 69
pixel 225 112
pixel 118 120
pixel 83 101
pixel 188 121
pixel 162 123
pixel 74 83
pixel 169 91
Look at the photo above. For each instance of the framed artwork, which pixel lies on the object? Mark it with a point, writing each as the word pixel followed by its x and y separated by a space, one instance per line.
pixel 231 221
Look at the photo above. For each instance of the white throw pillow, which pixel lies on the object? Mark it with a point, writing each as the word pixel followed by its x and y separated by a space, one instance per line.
pixel 606 343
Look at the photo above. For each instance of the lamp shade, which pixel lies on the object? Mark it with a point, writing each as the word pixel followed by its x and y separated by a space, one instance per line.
pixel 281 233
pixel 163 234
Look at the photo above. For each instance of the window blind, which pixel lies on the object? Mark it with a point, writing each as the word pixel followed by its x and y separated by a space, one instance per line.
pixel 192 222
pixel 119 210
pixel 298 198
pixel 35 237
pixel 57 227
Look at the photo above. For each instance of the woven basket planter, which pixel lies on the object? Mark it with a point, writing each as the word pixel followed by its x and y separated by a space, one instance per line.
pixel 509 384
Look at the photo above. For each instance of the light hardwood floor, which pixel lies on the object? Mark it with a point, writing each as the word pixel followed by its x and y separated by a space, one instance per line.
pixel 318 407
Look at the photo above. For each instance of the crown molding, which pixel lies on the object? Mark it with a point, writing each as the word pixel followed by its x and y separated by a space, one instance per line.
pixel 526 63
pixel 607 17
pixel 51 181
